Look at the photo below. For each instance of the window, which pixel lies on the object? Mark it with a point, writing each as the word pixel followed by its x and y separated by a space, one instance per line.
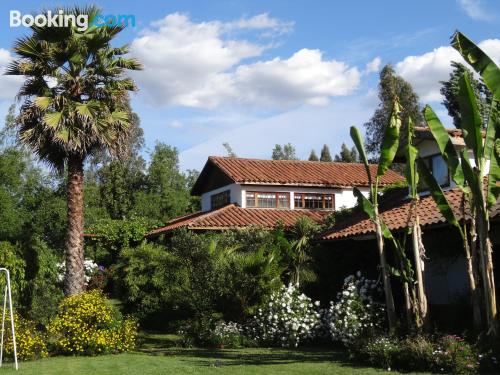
pixel 268 200
pixel 314 201
pixel 220 199
pixel 439 169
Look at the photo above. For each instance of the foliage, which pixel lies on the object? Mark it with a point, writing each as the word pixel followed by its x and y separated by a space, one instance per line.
pixel 357 314
pixel 299 257
pixel 313 156
pixel 153 279
pixel 90 269
pixel 30 342
pixel 209 332
pixel 10 258
pixel 325 154
pixel 450 91
pixel 454 355
pixel 87 324
pixel 286 320
pixel 347 155
pixel 391 86
pixel 285 152
pixel 229 150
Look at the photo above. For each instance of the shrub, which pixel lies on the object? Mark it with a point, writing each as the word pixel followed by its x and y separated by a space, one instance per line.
pixel 454 355
pixel 87 324
pixel 30 343
pixel 286 320
pixel 356 315
pixel 90 269
pixel 415 354
pixel 229 335
pixel 380 351
pixel 10 258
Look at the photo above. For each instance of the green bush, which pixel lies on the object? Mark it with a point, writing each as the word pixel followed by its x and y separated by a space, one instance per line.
pixel 454 355
pixel 30 343
pixel 380 351
pixel 11 258
pixel 88 324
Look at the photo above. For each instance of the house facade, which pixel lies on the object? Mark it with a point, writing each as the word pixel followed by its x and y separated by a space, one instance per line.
pixel 239 192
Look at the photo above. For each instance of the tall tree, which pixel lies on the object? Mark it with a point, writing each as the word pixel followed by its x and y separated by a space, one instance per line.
pixel 285 152
pixel 450 90
pixel 347 155
pixel 325 154
pixel 391 86
pixel 75 102
pixel 313 156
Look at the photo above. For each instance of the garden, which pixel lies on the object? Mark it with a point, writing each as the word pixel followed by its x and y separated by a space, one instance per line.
pixel 247 300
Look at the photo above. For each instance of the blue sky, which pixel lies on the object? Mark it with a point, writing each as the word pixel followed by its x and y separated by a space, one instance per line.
pixel 256 73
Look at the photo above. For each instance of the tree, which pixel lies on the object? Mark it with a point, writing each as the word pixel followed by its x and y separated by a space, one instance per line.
pixel 313 156
pixel 390 87
pixel 287 152
pixel 75 101
pixel 302 233
pixel 390 143
pixel 325 154
pixel 229 150
pixel 479 183
pixel 450 90
pixel 346 155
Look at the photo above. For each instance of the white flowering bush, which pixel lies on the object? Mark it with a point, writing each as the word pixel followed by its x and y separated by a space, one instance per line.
pixel 90 268
pixel 356 313
pixel 286 320
pixel 228 334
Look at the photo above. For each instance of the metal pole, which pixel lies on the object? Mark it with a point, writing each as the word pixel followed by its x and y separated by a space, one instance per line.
pixel 9 292
pixel 3 323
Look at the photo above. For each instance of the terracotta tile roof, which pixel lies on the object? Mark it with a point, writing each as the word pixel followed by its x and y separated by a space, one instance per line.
pixel 233 216
pixel 395 214
pixel 299 172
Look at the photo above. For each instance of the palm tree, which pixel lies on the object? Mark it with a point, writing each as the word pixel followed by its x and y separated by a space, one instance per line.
pixel 302 234
pixel 74 104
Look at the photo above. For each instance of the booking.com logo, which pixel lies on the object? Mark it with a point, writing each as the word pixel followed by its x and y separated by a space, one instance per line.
pixel 60 19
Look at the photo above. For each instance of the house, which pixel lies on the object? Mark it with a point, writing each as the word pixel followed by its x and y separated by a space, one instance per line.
pixel 445 274
pixel 239 192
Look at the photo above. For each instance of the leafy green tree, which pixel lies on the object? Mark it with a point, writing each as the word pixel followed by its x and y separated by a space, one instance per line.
pixel 325 154
pixel 313 156
pixel 302 235
pixel 450 90
pixel 75 103
pixel 347 155
pixel 285 152
pixel 391 86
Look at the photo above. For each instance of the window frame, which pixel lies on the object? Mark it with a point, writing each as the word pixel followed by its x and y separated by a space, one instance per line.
pixel 323 200
pixel 428 159
pixel 276 198
pixel 227 200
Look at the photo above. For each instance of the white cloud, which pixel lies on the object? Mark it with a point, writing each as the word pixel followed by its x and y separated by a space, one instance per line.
pixel 176 124
pixel 475 10
pixel 9 84
pixel 425 71
pixel 196 65
pixel 261 22
pixel 373 66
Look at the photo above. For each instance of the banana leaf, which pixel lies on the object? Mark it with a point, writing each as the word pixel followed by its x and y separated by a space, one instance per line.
pixel 480 61
pixel 411 156
pixel 357 138
pixel 470 117
pixel 390 141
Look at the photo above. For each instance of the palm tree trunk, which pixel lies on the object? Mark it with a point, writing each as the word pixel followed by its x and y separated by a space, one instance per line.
pixel 74 278
pixel 389 299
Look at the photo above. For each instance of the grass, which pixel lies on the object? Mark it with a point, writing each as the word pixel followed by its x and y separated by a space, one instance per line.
pixel 157 356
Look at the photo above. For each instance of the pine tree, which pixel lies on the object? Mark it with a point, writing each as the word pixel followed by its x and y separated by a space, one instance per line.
pixel 229 150
pixel 347 155
pixel 325 154
pixel 390 86
pixel 449 89
pixel 313 156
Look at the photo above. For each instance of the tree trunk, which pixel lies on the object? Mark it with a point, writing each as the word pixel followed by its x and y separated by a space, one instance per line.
pixel 486 262
pixel 472 273
pixel 418 252
pixel 389 299
pixel 74 278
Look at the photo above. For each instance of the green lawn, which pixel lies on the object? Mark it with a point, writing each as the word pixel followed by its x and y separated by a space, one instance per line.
pixel 157 356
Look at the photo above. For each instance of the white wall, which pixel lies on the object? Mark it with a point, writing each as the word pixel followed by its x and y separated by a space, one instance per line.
pixel 234 191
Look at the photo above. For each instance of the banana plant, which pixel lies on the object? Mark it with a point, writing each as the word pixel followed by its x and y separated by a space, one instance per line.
pixel 370 206
pixel 478 180
pixel 412 178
